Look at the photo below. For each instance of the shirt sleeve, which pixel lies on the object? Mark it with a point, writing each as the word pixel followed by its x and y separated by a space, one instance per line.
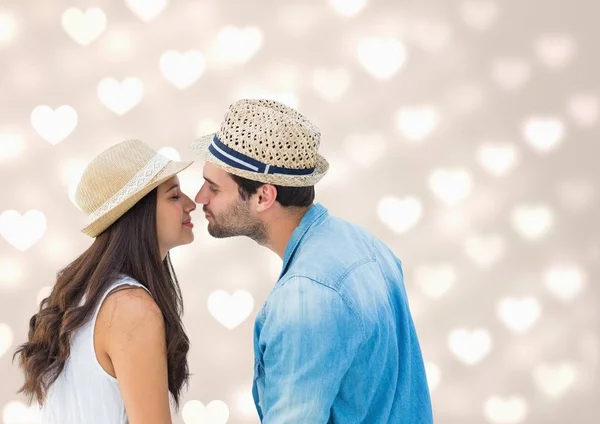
pixel 309 339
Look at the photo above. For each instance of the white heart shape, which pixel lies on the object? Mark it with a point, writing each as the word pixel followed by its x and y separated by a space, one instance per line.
pixel 230 310
pixel 22 231
pixel 331 84
pixel 519 315
pixel 348 7
pixel 182 69
pixel 120 97
pixel 365 149
pixel 485 250
pixel 584 109
pixel 555 50
pixel 555 380
pixel 17 413
pixel 146 10
pixel 84 27
pixel 11 146
pixel 451 186
pixel 511 73
pixel 6 338
pixel 470 346
pixel 417 123
pixel 235 45
pixel 566 281
pixel 497 158
pixel 544 134
pixel 479 14
pixel 381 57
pixel 194 412
pixel 532 222
pixel 435 280
pixel 434 375
pixel 54 125
pixel 399 215
pixel 512 410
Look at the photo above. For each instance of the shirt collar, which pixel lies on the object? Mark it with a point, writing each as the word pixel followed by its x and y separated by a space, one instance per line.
pixel 315 214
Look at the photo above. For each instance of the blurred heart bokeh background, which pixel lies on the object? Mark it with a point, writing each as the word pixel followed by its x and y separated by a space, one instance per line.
pixel 464 133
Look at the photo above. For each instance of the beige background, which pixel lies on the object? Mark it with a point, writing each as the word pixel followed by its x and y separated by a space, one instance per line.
pixel 463 133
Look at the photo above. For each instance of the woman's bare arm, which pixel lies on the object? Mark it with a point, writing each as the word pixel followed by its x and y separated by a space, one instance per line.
pixel 131 334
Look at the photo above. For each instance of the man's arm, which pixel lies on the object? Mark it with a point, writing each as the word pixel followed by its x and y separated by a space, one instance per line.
pixel 309 339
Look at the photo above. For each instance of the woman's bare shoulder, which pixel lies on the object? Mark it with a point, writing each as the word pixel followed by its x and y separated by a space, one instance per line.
pixel 130 307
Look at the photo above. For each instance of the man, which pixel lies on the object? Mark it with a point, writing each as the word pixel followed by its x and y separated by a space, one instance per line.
pixel 335 341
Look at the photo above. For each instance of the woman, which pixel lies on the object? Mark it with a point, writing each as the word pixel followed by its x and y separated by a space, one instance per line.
pixel 108 345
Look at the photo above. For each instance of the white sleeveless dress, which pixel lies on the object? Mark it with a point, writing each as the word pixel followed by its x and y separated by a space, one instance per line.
pixel 84 393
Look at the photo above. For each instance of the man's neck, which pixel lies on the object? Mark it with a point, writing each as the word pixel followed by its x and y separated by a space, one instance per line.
pixel 280 229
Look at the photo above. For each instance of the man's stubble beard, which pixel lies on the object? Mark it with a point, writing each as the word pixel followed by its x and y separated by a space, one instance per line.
pixel 237 222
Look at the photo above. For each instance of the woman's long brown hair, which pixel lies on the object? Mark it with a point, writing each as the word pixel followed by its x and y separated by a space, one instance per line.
pixel 129 246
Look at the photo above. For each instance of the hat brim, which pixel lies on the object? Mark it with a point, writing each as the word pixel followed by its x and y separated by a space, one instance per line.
pixel 171 169
pixel 200 147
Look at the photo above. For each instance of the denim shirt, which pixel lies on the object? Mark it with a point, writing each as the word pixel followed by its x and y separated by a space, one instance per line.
pixel 335 341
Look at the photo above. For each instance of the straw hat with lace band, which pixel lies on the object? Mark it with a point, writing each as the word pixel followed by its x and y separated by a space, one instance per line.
pixel 117 179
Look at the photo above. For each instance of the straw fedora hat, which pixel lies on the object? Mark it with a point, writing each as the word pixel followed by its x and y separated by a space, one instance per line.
pixel 266 141
pixel 116 179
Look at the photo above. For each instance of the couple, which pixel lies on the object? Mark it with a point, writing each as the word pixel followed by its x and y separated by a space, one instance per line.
pixel 334 342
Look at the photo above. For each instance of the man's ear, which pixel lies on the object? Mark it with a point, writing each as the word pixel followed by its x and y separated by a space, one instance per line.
pixel 266 196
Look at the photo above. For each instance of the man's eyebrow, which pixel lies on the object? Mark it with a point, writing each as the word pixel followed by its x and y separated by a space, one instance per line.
pixel 211 181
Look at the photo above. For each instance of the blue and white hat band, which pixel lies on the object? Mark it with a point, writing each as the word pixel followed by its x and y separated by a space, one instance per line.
pixel 240 161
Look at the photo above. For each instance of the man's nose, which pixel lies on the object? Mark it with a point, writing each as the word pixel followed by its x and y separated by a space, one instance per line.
pixel 198 198
pixel 202 195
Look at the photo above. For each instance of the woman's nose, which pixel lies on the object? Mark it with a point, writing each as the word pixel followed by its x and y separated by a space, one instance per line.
pixel 191 205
